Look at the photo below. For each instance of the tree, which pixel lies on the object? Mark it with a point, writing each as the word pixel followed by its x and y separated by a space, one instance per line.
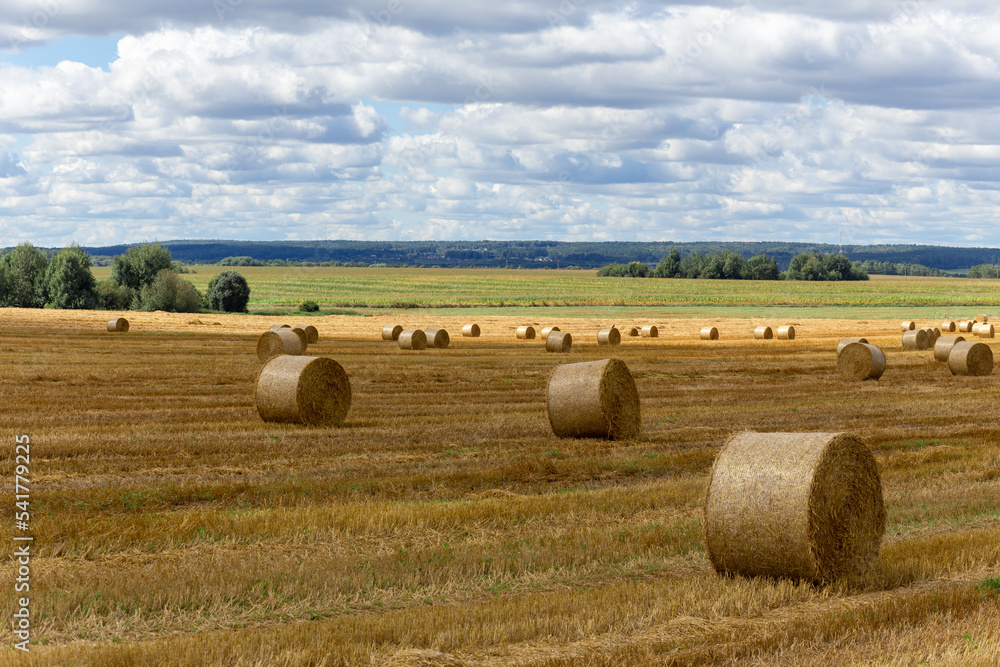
pixel 228 291
pixel 68 280
pixel 762 267
pixel 140 265
pixel 112 296
pixel 670 265
pixel 170 293
pixel 25 268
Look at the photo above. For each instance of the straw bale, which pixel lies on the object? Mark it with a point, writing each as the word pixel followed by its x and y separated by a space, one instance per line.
pixel 526 333
pixel 391 332
pixel 558 341
pixel 594 399
pixel 312 334
pixel 861 361
pixel 544 333
pixel 633 331
pixel 303 336
pixel 764 333
pixel 438 338
pixel 807 506
pixel 412 339
pixel 608 337
pixel 118 325
pixel 948 327
pixel 943 345
pixel 917 339
pixel 933 333
pixel 786 333
pixel 909 325
pixel 985 330
pixel 305 390
pixel 970 358
pixel 709 333
pixel 471 330
pixel 283 341
pixel 275 327
pixel 650 331
pixel 966 327
pixel 844 342
pixel 982 318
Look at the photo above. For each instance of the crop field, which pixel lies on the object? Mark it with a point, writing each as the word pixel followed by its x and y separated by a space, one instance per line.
pixel 444 523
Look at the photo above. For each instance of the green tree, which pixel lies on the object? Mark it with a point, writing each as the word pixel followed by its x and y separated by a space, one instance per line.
pixel 762 267
pixel 170 293
pixel 140 265
pixel 670 265
pixel 112 296
pixel 228 291
pixel 25 268
pixel 68 280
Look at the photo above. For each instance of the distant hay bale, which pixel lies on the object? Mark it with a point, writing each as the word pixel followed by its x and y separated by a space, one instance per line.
pixel 861 361
pixel 312 334
pixel 544 333
pixel 917 339
pixel 763 333
pixel 985 330
pixel 650 331
pixel 970 358
pixel 909 325
pixel 966 327
pixel 633 331
pixel 471 331
pixel 807 506
pixel 283 341
pixel 594 399
pixel 608 337
pixel 303 336
pixel 982 318
pixel 786 333
pixel 943 345
pixel 844 342
pixel 118 325
pixel 525 333
pixel 305 390
pixel 438 338
pixel 275 327
pixel 412 339
pixel 558 341
pixel 391 332
pixel 709 333
pixel 948 327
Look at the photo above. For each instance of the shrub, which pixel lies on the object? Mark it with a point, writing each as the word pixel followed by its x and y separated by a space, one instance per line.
pixel 309 307
pixel 228 291
pixel 112 296
pixel 171 293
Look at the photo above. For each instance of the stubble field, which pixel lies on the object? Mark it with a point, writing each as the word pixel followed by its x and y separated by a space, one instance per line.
pixel 444 524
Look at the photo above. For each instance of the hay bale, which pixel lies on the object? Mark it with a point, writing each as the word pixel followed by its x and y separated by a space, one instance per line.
pixel 275 327
pixel 650 331
pixel 985 330
pixel 763 333
pixel 633 331
pixel 709 333
pixel 283 341
pixel 970 358
pixel 438 338
pixel 312 334
pixel 909 325
pixel 861 361
pixel 916 339
pixel 607 337
pixel 471 331
pixel 525 333
pixel 558 341
pixel 844 342
pixel 786 333
pixel 943 345
pixel 412 339
pixel 544 333
pixel 118 325
pixel 966 327
pixel 303 390
pixel 982 318
pixel 933 333
pixel 303 336
pixel 948 327
pixel 807 506
pixel 594 399
pixel 391 332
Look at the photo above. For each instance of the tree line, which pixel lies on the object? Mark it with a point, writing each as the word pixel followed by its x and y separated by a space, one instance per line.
pixel 727 265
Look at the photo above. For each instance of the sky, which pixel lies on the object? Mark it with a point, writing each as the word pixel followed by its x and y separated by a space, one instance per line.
pixel 862 122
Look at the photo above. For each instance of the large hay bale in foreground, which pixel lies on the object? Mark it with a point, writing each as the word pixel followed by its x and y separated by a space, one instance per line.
pixel 861 361
pixel 970 358
pixel 305 390
pixel 763 333
pixel 909 325
pixel 807 506
pixel 844 342
pixel 412 339
pixel 594 399
pixel 608 337
pixel 786 333
pixel 633 331
pixel 438 338
pixel 118 325
pixel 966 327
pixel 391 332
pixel 275 327
pixel 948 327
pixel 709 333
pixel 985 330
pixel 916 339
pixel 943 345
pixel 558 341
pixel 544 333
pixel 471 331
pixel 283 341
pixel 525 333
pixel 312 333
pixel 650 331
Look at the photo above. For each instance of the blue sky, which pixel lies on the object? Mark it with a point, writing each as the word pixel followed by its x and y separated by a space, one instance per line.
pixel 561 119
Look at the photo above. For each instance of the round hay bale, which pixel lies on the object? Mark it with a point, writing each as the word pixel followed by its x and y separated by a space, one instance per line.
pixel 607 337
pixel 948 327
pixel 763 333
pixel 544 333
pixel 391 332
pixel 933 333
pixel 909 325
pixel 118 325
pixel 970 358
pixel 558 341
pixel 966 327
pixel 985 330
pixel 943 345
pixel 861 361
pixel 275 327
pixel 303 336
pixel 844 342
pixel 412 339
pixel 709 333
pixel 526 333
pixel 312 334
pixel 633 331
pixel 594 399
pixel 438 338
pixel 471 330
pixel 274 343
pixel 916 339
pixel 786 333
pixel 305 390
pixel 982 318
pixel 807 506
pixel 650 331
pixel 975 328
